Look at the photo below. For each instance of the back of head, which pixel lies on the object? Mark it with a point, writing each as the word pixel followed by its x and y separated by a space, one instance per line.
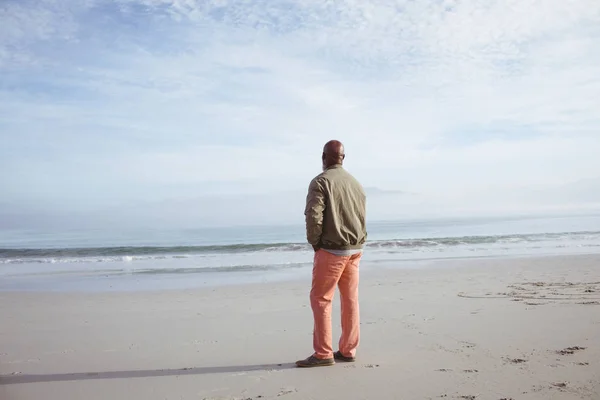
pixel 333 154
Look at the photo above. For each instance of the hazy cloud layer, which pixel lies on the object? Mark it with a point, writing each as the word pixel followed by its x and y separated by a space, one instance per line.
pixel 108 105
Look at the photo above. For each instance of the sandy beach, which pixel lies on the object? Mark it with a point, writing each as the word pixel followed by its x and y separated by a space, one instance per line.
pixel 485 329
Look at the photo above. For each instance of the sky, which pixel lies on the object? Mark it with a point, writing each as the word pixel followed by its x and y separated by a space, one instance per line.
pixel 215 112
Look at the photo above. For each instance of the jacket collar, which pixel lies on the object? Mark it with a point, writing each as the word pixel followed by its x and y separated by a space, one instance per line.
pixel 335 166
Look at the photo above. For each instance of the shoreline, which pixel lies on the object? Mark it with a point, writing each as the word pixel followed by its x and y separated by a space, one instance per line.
pixel 130 280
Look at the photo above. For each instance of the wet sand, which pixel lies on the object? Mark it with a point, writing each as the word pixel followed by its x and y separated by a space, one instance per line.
pixel 465 329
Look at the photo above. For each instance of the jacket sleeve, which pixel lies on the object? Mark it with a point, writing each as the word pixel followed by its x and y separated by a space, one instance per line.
pixel 315 206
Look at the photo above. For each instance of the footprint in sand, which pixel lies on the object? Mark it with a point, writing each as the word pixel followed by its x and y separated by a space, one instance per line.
pixel 466 371
pixel 570 350
pixel 234 398
pixel 516 360
pixel 287 391
pixel 560 385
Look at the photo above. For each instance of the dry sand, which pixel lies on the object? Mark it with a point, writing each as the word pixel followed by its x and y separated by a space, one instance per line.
pixel 479 329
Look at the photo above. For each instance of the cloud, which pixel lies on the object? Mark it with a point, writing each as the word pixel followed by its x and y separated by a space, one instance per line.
pixel 106 103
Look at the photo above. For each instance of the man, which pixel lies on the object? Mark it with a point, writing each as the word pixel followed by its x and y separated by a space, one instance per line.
pixel 336 229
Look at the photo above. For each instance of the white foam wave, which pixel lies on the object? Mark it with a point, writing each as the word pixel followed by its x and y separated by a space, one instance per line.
pixel 374 249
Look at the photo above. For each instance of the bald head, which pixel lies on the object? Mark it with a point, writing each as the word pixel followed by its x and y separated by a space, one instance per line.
pixel 333 153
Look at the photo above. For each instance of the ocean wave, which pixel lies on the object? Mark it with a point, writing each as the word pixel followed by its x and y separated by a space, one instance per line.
pixel 131 254
pixel 84 259
pixel 132 251
pixel 160 271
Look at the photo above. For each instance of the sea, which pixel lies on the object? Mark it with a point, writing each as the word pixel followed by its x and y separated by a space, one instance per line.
pixel 159 259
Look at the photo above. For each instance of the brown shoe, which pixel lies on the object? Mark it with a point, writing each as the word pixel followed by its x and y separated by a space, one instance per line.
pixel 313 361
pixel 340 357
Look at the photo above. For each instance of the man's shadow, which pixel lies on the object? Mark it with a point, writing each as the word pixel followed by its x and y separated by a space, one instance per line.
pixel 83 376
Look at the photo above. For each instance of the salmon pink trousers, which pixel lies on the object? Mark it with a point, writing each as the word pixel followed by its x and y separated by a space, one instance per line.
pixel 329 271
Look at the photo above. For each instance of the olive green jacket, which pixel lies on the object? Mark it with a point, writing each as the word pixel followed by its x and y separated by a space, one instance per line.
pixel 335 211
